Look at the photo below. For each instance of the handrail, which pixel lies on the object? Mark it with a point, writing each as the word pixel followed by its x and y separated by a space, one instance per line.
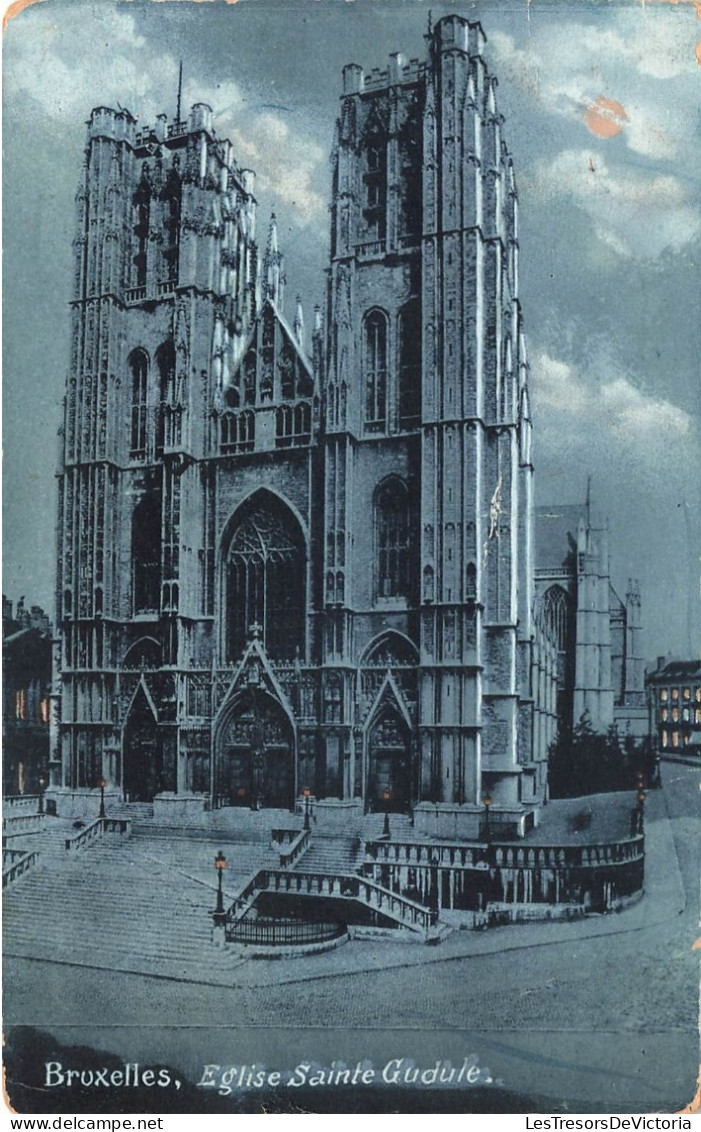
pixel 505 855
pixel 20 801
pixel 98 828
pixel 21 821
pixel 296 849
pixel 23 862
pixel 349 886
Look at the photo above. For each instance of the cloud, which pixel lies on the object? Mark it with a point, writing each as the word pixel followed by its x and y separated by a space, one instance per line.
pixel 635 212
pixel 289 165
pixel 117 65
pixel 41 55
pixel 580 410
pixel 628 56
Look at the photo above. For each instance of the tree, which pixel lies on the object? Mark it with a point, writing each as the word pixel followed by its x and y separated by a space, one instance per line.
pixel 584 761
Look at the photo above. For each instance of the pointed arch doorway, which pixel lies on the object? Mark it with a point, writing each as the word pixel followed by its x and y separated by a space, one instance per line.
pixel 255 755
pixel 389 763
pixel 142 758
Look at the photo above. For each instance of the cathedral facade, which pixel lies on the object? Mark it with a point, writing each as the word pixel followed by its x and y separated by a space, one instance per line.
pixel 299 564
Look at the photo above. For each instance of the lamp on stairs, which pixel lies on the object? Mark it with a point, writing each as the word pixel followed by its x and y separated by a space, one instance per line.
pixel 306 793
pixel 386 798
pixel 219 915
pixel 103 784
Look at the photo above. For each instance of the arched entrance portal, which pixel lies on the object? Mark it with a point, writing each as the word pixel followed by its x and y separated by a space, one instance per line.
pixel 389 763
pixel 255 751
pixel 143 757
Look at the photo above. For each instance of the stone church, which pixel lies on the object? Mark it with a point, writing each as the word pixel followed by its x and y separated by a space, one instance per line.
pixel 600 676
pixel 300 564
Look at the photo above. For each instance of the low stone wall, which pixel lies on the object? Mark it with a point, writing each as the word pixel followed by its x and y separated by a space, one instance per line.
pixel 335 814
pixel 179 809
pixel 84 804
pixel 463 823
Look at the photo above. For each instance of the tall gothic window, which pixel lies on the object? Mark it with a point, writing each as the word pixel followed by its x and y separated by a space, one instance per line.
pixel 410 364
pixel 392 534
pixel 375 186
pixel 172 196
pixel 375 329
pixel 138 364
pixel 142 216
pixel 165 361
pixel 556 613
pixel 265 579
pixel 146 554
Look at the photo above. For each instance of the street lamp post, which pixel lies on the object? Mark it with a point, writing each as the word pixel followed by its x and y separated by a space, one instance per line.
pixel 641 811
pixel 487 803
pixel 219 915
pixel 386 798
pixel 103 784
pixel 42 787
pixel 307 795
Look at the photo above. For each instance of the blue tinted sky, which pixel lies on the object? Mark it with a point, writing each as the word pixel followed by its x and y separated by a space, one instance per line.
pixel 609 229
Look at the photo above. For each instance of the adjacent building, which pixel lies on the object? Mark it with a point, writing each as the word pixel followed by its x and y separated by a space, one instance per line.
pixel 674 704
pixel 295 562
pixel 26 671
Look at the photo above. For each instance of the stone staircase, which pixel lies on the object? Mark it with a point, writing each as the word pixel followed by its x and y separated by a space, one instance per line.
pixel 328 853
pixel 137 904
pixel 400 826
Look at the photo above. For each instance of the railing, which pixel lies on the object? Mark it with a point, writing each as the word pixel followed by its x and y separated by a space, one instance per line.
pixel 343 886
pixel 484 855
pixel 135 294
pixel 296 848
pixel 280 931
pixel 21 823
pixel 20 861
pixel 21 802
pixel 166 288
pixel 98 828
pixel 371 249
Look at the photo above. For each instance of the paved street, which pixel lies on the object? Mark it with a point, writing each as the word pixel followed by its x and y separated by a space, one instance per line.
pixel 596 1015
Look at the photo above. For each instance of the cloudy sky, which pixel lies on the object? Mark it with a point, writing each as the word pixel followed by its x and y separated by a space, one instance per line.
pixel 601 105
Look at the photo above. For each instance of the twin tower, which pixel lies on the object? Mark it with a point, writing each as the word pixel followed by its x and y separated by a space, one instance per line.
pixel 301 563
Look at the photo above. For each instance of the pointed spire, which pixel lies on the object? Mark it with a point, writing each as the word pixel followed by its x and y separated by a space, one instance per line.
pixel 180 93
pixel 273 273
pixel 317 319
pixel 299 323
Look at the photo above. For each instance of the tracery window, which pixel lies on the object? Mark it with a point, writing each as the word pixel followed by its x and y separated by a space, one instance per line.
pixel 172 197
pixel 375 186
pixel 375 371
pixel 265 579
pixel 165 361
pixel 392 527
pixel 146 554
pixel 293 425
pixel 410 364
pixel 556 614
pixel 238 432
pixel 138 364
pixel 142 219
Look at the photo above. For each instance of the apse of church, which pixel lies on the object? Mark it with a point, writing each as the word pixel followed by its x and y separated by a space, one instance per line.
pixel 300 562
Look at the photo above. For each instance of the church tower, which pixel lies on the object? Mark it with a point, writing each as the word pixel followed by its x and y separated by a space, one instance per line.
pixel 427 432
